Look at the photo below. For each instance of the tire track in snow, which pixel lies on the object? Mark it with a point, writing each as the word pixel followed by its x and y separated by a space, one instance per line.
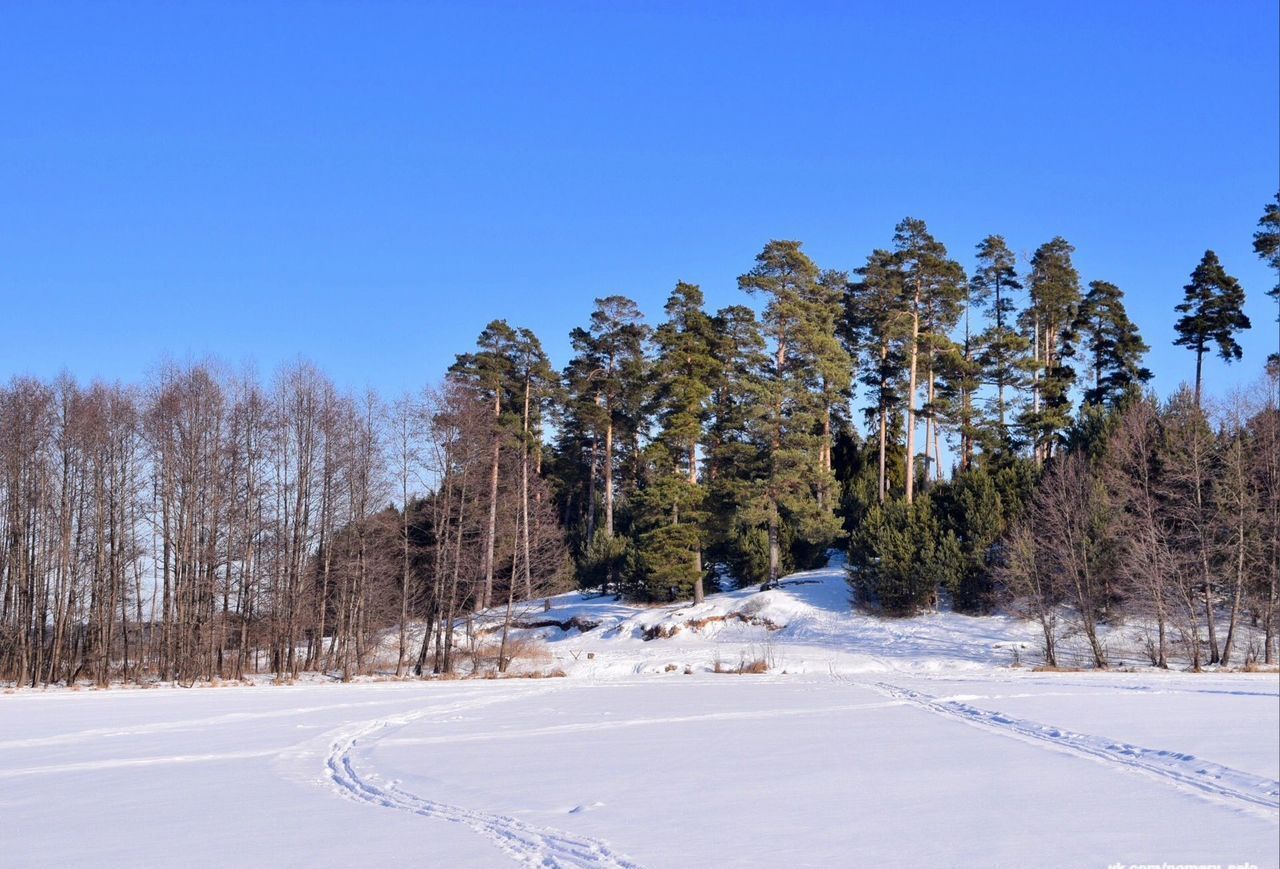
pixel 526 843
pixel 1221 783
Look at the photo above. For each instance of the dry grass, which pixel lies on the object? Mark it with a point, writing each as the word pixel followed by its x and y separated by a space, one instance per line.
pixel 1257 667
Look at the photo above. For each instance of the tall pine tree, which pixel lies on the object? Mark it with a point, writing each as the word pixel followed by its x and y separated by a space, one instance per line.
pixel 1266 244
pixel 1054 287
pixel 489 370
pixel 794 316
pixel 879 324
pixel 606 382
pixel 737 444
pixel 1212 313
pixel 1104 337
pixel 1003 350
pixel 684 373
pixel 932 286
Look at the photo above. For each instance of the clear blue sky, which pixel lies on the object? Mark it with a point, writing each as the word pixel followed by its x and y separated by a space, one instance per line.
pixel 367 184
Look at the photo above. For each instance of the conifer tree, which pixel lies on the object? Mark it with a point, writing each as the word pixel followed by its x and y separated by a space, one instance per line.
pixel 737 447
pixel 1054 287
pixel 685 370
pixel 831 368
pixel 1104 336
pixel 539 387
pixel 1213 312
pixel 793 317
pixel 1266 244
pixel 489 370
pixel 1003 350
pixel 606 384
pixel 961 378
pixel 880 324
pixel 932 286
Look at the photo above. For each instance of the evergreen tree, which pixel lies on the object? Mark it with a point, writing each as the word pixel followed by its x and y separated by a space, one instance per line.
pixel 1002 356
pixel 737 446
pixel 831 367
pixel 933 286
pixel 1266 244
pixel 1107 339
pixel 606 383
pixel 898 556
pixel 1054 288
pixel 1213 311
pixel 794 316
pixel 877 322
pixel 539 388
pixel 961 378
pixel 685 369
pixel 490 371
pixel 668 524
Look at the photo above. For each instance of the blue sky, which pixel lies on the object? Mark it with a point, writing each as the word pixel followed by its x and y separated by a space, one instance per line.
pixel 367 184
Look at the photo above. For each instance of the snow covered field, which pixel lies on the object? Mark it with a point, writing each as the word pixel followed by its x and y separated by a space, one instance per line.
pixel 868 743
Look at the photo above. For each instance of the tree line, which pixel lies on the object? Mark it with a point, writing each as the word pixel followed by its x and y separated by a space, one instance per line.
pixel 206 524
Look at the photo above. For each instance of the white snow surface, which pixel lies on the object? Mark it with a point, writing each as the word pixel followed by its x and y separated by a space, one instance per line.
pixel 868 742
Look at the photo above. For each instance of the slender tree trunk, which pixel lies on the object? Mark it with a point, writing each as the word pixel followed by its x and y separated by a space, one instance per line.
pixel 1199 368
pixel 911 400
pixel 524 491
pixel 699 593
pixel 1036 440
pixel 487 592
pixel 608 472
pixel 884 425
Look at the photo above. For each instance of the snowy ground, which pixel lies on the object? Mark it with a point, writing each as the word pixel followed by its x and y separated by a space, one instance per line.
pixel 867 743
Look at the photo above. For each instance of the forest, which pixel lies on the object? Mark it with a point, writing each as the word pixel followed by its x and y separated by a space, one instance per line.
pixel 977 437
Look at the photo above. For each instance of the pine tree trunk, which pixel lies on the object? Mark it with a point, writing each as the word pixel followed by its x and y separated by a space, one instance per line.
pixel 1036 445
pixel 775 567
pixel 1199 367
pixel 699 593
pixel 911 401
pixel 884 425
pixel 487 593
pixel 608 475
pixel 524 492
pixel 929 471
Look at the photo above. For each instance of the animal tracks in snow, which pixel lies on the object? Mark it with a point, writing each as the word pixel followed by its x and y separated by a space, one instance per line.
pixel 1245 790
pixel 528 844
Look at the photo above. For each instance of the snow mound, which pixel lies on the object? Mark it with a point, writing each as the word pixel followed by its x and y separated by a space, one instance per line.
pixel 804 625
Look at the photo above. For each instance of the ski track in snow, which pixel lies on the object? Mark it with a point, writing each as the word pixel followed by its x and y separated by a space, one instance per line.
pixel 526 843
pixel 1257 794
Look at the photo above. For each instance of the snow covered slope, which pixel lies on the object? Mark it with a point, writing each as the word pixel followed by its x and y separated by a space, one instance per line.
pixel 805 626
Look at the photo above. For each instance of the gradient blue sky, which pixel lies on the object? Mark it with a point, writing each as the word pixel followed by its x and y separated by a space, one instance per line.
pixel 367 184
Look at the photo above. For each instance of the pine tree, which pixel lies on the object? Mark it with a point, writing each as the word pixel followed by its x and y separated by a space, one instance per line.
pixel 795 315
pixel 961 375
pixel 684 373
pixel 1266 244
pixel 1213 311
pixel 933 286
pixel 606 384
pixel 831 369
pixel 879 324
pixel 1003 350
pixel 737 445
pixel 1107 339
pixel 899 555
pixel 539 387
pixel 1054 287
pixel 668 523
pixel 489 370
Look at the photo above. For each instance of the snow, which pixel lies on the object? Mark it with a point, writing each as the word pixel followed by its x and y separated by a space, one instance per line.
pixel 868 742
